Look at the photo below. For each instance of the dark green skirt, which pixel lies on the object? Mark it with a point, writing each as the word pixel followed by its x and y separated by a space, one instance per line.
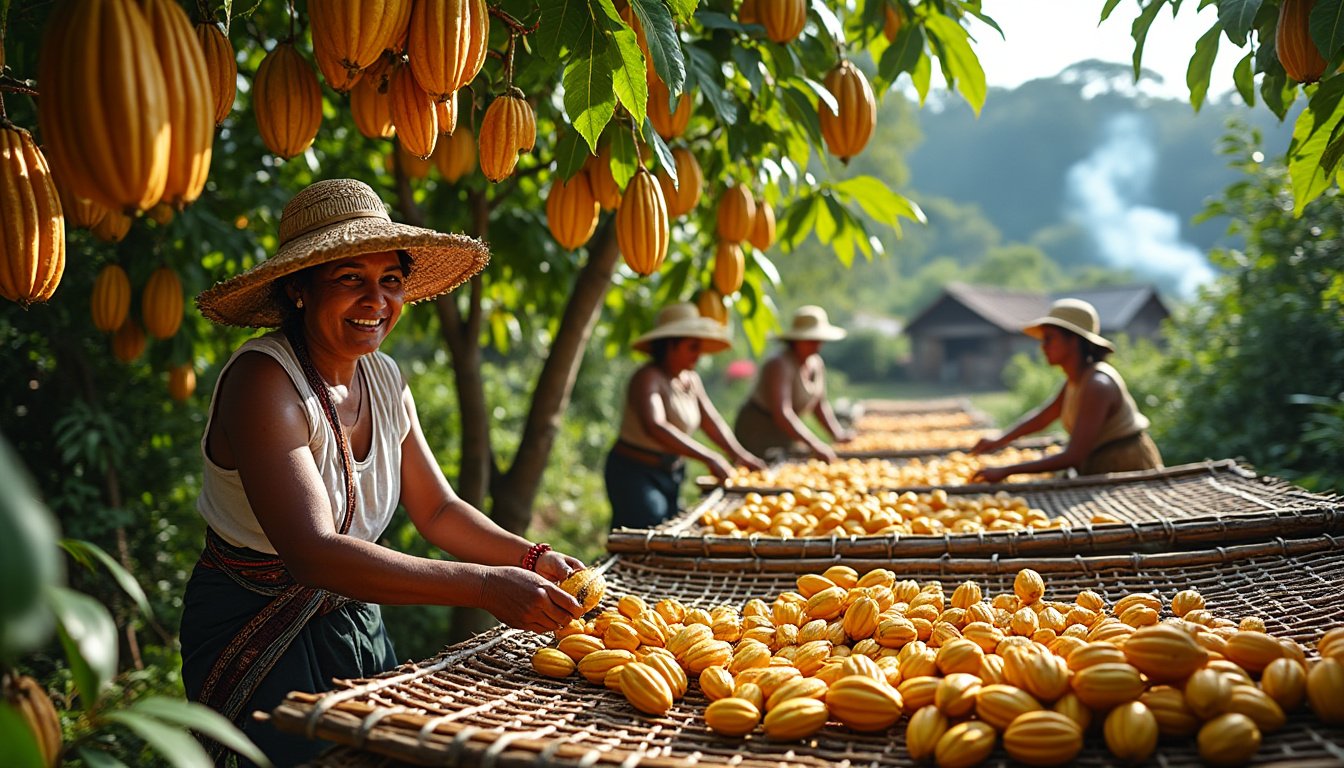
pixel 348 642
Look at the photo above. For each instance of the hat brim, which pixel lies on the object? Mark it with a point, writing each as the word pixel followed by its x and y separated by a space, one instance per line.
pixel 442 263
pixel 1035 331
pixel 712 339
pixel 820 334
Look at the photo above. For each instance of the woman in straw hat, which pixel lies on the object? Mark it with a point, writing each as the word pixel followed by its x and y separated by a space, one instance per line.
pixel 665 404
pixel 312 442
pixel 1107 433
pixel 791 385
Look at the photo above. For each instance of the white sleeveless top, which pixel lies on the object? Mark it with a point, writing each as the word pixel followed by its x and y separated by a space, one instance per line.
pixel 222 501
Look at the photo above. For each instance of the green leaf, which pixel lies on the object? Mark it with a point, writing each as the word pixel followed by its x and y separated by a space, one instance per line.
pixel 1201 65
pixel 1139 31
pixel 709 78
pixel 204 720
pixel 571 154
pixel 824 94
pixel 683 10
pixel 801 110
pixel 748 62
pixel 903 54
pixel 660 150
pixel 664 46
pixel 796 223
pixel 30 563
pixel 589 99
pixel 89 637
pixel 1327 27
pixel 89 551
pixel 97 759
pixel 1312 134
pixel 1244 79
pixel 1238 18
pixel 767 268
pixel 624 156
pixel 959 60
pixel 1107 8
pixel 630 81
pixel 878 200
pixel 562 21
pixel 920 77
pixel 19 742
pixel 178 747
pixel 829 21
pixel 1278 92
pixel 826 224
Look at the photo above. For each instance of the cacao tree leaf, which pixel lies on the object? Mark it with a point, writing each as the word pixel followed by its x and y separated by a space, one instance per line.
pixel 709 78
pixel 1139 32
pixel 664 46
pixel 823 93
pixel 826 224
pixel 624 155
pixel 748 62
pixel 1201 65
pixel 1278 92
pixel 20 743
pixel 1312 133
pixel 88 552
pixel 570 154
pixel 660 150
pixel 590 100
pixel 803 113
pixel 562 21
pixel 903 54
pixel 920 77
pixel 879 201
pixel 829 21
pixel 1238 19
pixel 30 563
pixel 1107 8
pixel 89 637
pixel 1327 27
pixel 767 267
pixel 958 60
pixel 98 759
pixel 175 745
pixel 1244 79
pixel 716 20
pixel 797 220
pixel 202 719
pixel 629 77
pixel 683 10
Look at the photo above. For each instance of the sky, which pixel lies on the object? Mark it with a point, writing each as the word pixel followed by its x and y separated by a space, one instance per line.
pixel 1045 36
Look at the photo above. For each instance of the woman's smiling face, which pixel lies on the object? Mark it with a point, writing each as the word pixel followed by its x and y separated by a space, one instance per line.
pixel 352 304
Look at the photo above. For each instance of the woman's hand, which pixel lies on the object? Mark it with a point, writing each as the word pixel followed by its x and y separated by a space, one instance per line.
pixel 985 445
pixel 526 600
pixel 845 436
pixel 750 460
pixel 720 468
pixel 825 453
pixel 557 565
pixel 991 474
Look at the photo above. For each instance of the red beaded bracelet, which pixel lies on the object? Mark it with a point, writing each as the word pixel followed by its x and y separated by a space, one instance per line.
pixel 534 554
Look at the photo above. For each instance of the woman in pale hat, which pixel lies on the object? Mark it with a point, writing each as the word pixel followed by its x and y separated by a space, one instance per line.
pixel 312 441
pixel 1107 433
pixel 665 404
pixel 792 385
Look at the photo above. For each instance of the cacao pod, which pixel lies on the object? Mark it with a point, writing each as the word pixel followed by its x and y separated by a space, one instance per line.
pixel 959 655
pixel 1000 705
pixel 413 167
pixel 800 687
pixel 413 114
pixel 1145 599
pixel 32 228
pixel 847 128
pixel 1028 586
pixel 706 654
pixel 455 156
pixel 191 102
pixel 925 728
pixel 587 586
pixel 751 692
pixel 1206 693
pixel 1166 654
pixel 683 196
pixel 221 67
pixel 112 228
pixel 891 23
pixel 128 343
pixel 349 35
pixel 737 210
pixel 796 719
pixel 1073 708
pixel 620 635
pixel 729 270
pixel 669 122
pixel 1325 689
pixel 1285 681
pixel 769 679
pixel 1103 686
pixel 1043 738
pixel 371 108
pixel 287 100
pixel 864 704
pixel 687 637
pixel 1253 651
pixel 918 692
pixel 783 19
pixel 578 646
pixel 1229 739
pixel 642 225
pixel 571 210
pixel 80 213
pixel 111 300
pixel 746 13
pixel 181 381
pixel 956 694
pixel 447 44
pixel 1297 52
pixel 1185 601
pixel 711 305
pixel 104 107
pixel 33 704
pixel 716 683
pixel 732 716
pixel 1331 643
pixel 1131 732
pixel 646 688
pixel 1167 704
pixel 507 129
pixel 762 227
pixel 595 666
pixel 1254 703
pixel 447 114
pixel 605 188
pixel 1044 675
pixel 552 662
pixel 749 656
pixel 965 744
pixel 161 303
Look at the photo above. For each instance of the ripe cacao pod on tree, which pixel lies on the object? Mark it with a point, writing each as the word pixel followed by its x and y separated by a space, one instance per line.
pixel 191 103
pixel 32 226
pixel 161 303
pixel 746 13
pixel 891 24
pixel 1298 53
pixel 605 188
pixel 413 113
pixel 287 100
pixel 128 343
pixel 508 128
pixel 729 267
pixel 682 197
pixel 455 156
pixel 446 44
pixel 783 19
pixel 571 210
pixel 667 122
pixel 737 210
pixel 348 35
pixel 762 226
pixel 642 224
pixel 34 706
pixel 446 111
pixel 414 167
pixel 847 130
pixel 181 381
pixel 710 303
pixel 221 67
pixel 98 58
pixel 80 212
pixel 371 108
pixel 627 13
pixel 111 300
pixel 112 228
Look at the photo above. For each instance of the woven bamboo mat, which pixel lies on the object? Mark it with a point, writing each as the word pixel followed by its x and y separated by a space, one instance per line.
pixel 479 703
pixel 1190 506
pixel 1039 441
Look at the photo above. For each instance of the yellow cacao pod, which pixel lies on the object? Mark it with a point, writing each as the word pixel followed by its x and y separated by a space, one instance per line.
pixel 666 665
pixel 413 113
pixel 1174 717
pixel 746 13
pixel 1331 644
pixel 848 127
pixel 98 58
pixel 965 744
pixel 508 128
pixel 683 196
pixel 1073 708
pixel 113 227
pixel 732 716
pixel 447 115
pixel 642 229
pixel 111 300
pixel 959 655
pixel 191 102
pixel 571 210
pixel 926 727
pixel 1045 675
pixel 956 693
pixel 729 269
pixel 1103 686
pixel 1043 738
pixel 810 584
pixel 1092 654
pixel 447 43
pixel 891 22
pixel 762 227
pixel 686 638
pixel 552 662
pixel 80 213
pixel 1207 692
pixel 32 227
pixel 349 35
pixel 783 19
pixel 737 209
pixel 1028 586
pixel 1285 681
pixel 864 704
pixel 287 100
pixel 716 683
pixel 796 719
pixel 33 704
pixel 587 586
pixel 751 692
pixel 860 619
pixel 371 108
pixel 161 303
pixel 1325 689
pixel 221 68
pixel 798 687
pixel 1000 705
pixel 1257 705
pixel 413 167
pixel 918 692
pixel 706 654
pixel 455 156
pixel 769 679
pixel 646 688
pixel 621 635
pixel 577 646
pixel 1253 651
pixel 749 656
pixel 1131 732
pixel 1165 653
pixel 605 188
pixel 181 381
pixel 668 121
pixel 710 303
pixel 1297 52
pixel 595 665
pixel 1230 739
pixel 128 343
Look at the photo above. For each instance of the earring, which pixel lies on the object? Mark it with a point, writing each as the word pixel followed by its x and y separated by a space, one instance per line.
pixel 299 302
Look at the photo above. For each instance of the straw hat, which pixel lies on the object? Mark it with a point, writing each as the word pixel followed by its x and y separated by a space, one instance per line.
pixel 341 218
pixel 684 321
pixel 811 324
pixel 1073 315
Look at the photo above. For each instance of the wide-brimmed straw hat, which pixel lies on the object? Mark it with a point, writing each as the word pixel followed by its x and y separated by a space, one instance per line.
pixel 684 321
pixel 341 218
pixel 810 323
pixel 1073 315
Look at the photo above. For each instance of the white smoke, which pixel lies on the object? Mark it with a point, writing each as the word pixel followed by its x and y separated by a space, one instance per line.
pixel 1103 194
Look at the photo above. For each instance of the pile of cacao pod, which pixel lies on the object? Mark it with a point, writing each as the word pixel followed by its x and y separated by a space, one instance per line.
pixel 969 670
pixel 913 440
pixel 865 475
